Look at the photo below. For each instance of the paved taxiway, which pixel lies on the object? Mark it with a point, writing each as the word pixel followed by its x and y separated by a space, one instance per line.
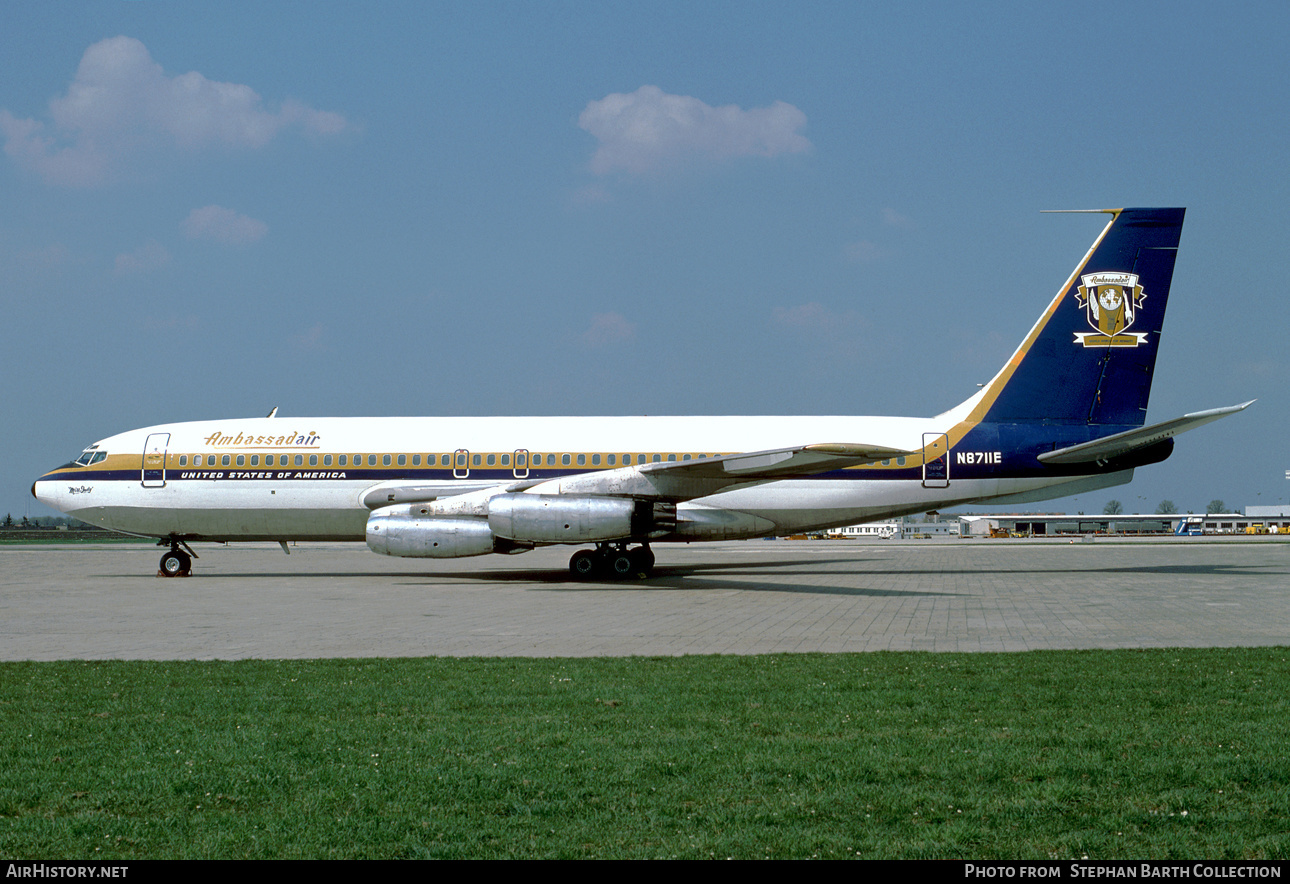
pixel 339 600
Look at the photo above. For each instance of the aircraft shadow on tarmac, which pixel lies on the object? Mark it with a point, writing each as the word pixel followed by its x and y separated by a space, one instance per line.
pixel 706 576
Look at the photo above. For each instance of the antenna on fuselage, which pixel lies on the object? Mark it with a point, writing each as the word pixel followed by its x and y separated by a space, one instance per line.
pixel 273 413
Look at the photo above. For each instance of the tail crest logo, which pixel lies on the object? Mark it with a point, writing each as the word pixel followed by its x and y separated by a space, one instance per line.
pixel 1111 302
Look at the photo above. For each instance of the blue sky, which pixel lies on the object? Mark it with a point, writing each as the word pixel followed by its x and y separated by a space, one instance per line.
pixel 207 210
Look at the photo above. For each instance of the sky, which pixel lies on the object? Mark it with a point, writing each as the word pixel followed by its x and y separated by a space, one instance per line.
pixel 423 208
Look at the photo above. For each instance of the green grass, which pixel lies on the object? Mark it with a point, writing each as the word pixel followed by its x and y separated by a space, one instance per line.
pixel 20 536
pixel 1142 754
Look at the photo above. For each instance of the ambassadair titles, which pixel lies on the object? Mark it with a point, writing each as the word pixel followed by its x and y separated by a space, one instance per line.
pixel 290 440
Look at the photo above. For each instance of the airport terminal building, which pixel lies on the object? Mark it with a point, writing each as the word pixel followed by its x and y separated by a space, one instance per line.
pixel 1256 520
pixel 1041 525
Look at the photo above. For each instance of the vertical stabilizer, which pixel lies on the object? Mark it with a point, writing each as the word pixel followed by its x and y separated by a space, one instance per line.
pixel 1091 356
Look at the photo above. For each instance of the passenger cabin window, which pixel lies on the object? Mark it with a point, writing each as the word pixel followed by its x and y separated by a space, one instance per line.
pixel 300 460
pixel 403 460
pixel 385 460
pixel 342 460
pixel 313 460
pixel 565 459
pixel 371 460
pixel 506 460
pixel 255 460
pixel 611 459
pixel 183 460
pixel 582 460
pixel 416 460
pixel 241 460
pixel 595 460
pixel 224 461
pixel 268 460
pixel 326 460
pixel 492 460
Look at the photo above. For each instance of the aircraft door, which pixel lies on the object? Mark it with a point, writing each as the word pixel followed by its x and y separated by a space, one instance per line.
pixel 936 460
pixel 154 460
pixel 521 463
pixel 460 464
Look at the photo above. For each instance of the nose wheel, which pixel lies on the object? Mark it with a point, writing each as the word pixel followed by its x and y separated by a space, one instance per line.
pixel 177 562
pixel 615 562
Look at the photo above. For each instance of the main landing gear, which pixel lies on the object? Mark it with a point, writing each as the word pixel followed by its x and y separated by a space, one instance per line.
pixel 178 562
pixel 612 560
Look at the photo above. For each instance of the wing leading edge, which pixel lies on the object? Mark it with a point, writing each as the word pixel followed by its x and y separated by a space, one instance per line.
pixel 677 481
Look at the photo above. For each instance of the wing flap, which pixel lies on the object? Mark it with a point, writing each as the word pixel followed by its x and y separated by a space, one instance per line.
pixel 1122 443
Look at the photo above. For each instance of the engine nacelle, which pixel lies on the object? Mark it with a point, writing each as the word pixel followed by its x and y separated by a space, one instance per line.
pixel 392 531
pixel 552 518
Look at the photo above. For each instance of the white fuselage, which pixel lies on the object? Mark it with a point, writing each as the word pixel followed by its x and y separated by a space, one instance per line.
pixel 320 478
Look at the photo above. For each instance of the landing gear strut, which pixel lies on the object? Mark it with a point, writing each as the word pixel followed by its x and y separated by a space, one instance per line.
pixel 613 560
pixel 177 562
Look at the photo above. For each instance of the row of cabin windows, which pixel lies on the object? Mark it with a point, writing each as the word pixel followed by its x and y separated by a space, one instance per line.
pixel 343 460
pixel 476 460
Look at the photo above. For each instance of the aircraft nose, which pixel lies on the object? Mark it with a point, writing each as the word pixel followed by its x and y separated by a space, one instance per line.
pixel 44 490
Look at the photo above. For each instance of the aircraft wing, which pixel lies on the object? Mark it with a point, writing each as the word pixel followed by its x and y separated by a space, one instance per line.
pixel 1122 443
pixel 677 481
pixel 400 491
pixel 673 481
pixel 778 463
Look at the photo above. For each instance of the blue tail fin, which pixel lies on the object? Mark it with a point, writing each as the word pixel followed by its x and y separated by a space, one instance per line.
pixel 1091 356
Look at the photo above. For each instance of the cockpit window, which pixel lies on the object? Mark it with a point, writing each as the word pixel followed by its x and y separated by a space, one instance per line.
pixel 90 456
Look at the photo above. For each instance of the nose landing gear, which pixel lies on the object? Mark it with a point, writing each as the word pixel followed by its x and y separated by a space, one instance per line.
pixel 177 562
pixel 614 561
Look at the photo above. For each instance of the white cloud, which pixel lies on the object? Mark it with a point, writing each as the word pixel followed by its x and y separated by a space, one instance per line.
pixel 814 320
pixel 54 255
pixel 311 339
pixel 863 252
pixel 892 218
pixel 649 128
pixel 187 323
pixel 823 337
pixel 148 256
pixel 223 225
pixel 608 328
pixel 121 103
pixel 811 317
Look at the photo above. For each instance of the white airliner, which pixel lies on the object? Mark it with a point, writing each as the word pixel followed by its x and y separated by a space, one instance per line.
pixel 1065 415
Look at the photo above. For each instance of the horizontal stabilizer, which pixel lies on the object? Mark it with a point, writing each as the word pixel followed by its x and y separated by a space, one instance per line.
pixel 1122 443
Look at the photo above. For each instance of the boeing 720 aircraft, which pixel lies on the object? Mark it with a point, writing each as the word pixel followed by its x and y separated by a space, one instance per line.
pixel 1065 415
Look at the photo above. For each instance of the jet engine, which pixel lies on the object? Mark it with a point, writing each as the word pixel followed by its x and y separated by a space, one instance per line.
pixel 553 518
pixel 513 523
pixel 403 534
